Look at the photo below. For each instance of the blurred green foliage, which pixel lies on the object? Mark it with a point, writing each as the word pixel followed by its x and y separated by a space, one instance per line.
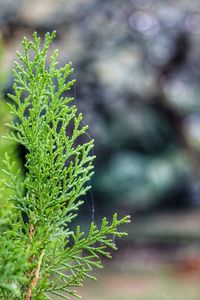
pixel 6 146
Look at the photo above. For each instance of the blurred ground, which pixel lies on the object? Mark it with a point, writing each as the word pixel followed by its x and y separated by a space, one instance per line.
pixel 158 285
pixel 159 260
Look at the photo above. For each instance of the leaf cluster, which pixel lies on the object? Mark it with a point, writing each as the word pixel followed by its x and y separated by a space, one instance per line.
pixel 52 259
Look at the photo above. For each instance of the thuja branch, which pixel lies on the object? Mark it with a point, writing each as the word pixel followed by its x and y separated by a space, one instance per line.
pixel 58 172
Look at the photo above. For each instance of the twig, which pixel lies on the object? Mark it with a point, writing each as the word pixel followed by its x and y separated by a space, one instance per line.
pixel 34 282
pixel 31 232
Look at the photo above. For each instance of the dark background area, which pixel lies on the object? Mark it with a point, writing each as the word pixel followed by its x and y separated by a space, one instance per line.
pixel 137 65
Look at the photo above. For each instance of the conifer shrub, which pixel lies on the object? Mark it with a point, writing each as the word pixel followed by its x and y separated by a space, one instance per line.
pixel 40 255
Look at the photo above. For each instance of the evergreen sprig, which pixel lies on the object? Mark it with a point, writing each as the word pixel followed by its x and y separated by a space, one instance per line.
pixel 51 258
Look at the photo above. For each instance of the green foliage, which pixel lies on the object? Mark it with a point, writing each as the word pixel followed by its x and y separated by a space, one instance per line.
pixel 40 254
pixel 5 145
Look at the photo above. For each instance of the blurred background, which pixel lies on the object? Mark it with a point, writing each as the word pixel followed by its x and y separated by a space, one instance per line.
pixel 137 65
